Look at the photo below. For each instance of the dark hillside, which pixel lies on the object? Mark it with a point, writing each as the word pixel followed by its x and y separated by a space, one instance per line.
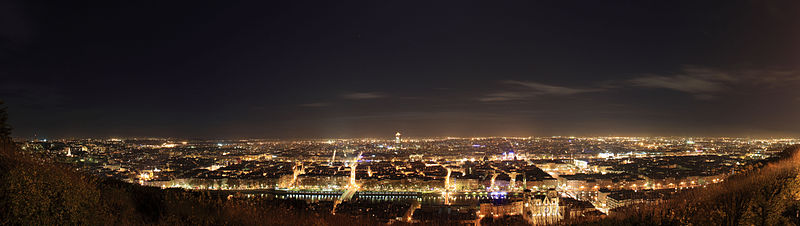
pixel 40 192
pixel 767 193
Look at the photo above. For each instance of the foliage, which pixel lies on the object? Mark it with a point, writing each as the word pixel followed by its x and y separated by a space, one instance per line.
pixel 767 193
pixel 5 129
pixel 33 192
pixel 39 192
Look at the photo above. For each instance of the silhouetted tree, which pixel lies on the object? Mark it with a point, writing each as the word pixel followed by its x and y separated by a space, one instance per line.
pixel 5 129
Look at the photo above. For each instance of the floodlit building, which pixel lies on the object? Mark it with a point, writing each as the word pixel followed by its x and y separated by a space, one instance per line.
pixel 397 139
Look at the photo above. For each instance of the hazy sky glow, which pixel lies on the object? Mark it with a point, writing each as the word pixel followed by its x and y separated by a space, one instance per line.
pixel 427 68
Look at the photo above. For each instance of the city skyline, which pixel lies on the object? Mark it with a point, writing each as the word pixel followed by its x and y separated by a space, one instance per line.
pixel 538 180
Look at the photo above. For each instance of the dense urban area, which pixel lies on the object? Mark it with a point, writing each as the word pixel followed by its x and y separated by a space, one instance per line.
pixel 542 180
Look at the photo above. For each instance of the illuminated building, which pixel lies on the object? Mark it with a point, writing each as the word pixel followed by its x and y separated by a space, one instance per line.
pixel 542 211
pixel 397 138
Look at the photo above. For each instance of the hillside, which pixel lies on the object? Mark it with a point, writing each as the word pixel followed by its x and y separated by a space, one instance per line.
pixel 40 192
pixel 767 193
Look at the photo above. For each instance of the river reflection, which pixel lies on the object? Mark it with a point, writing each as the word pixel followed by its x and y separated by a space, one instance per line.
pixel 465 198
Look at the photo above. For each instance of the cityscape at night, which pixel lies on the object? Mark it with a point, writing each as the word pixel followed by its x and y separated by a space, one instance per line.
pixel 542 179
pixel 570 112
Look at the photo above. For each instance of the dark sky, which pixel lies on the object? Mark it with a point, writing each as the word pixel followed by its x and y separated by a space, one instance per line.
pixel 287 69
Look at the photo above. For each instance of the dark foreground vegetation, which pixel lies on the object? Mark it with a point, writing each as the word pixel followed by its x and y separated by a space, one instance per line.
pixel 767 193
pixel 39 192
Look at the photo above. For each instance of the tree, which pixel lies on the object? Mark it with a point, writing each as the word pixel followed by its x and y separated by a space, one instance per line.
pixel 5 129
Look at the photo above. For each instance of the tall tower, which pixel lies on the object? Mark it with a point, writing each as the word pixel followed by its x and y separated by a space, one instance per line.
pixel 397 138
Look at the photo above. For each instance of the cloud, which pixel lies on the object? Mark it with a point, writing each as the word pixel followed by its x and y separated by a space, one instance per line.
pixel 706 83
pixel 318 104
pixel 533 89
pixel 772 77
pixel 363 96
pixel 702 83
pixel 504 96
pixel 540 88
pixel 683 83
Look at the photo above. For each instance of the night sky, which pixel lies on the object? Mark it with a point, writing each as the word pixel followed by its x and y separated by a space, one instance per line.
pixel 303 69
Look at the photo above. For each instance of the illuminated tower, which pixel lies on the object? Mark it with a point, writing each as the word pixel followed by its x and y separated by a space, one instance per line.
pixel 397 138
